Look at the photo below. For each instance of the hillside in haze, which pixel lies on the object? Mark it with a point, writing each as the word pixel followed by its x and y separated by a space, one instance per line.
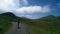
pixel 45 25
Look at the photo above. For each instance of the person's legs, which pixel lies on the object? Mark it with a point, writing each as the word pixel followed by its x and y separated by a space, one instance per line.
pixel 18 25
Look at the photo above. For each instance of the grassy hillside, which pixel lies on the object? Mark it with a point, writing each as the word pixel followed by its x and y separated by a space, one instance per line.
pixel 45 25
pixel 5 21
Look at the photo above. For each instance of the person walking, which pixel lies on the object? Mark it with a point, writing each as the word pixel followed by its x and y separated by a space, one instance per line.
pixel 18 23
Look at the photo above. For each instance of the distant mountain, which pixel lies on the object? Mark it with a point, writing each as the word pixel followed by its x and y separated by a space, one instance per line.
pixel 46 25
pixel 8 16
pixel 50 22
pixel 58 17
pixel 47 17
pixel 46 20
pixel 6 20
pixel 11 16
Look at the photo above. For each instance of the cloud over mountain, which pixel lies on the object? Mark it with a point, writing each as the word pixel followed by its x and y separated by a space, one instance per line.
pixel 21 7
pixel 9 5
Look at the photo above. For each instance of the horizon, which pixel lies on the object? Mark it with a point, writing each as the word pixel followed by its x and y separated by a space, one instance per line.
pixel 31 9
pixel 28 18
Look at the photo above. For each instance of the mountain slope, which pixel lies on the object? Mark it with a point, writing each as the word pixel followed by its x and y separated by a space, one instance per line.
pixel 45 25
pixel 5 21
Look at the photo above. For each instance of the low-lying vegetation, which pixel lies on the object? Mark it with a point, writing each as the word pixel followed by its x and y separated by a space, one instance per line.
pixel 45 25
pixel 6 21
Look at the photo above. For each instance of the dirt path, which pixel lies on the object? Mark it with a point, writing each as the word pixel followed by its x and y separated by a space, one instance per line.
pixel 15 30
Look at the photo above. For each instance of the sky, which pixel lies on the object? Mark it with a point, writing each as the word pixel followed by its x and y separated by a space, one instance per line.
pixel 32 9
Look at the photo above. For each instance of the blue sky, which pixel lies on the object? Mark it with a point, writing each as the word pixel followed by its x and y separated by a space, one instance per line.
pixel 31 8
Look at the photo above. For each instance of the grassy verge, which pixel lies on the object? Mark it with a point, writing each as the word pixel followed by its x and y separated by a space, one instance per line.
pixel 37 30
pixel 4 27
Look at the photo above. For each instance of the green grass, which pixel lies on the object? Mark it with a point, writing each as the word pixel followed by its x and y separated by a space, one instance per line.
pixel 5 21
pixel 4 27
pixel 5 24
pixel 45 27
pixel 36 30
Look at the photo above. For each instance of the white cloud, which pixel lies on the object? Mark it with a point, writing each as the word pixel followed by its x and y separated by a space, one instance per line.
pixel 15 7
pixel 46 9
pixel 33 9
pixel 31 16
pixel 28 16
pixel 8 5
pixel 30 9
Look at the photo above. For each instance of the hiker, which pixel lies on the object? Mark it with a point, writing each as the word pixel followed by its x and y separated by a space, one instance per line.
pixel 18 23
